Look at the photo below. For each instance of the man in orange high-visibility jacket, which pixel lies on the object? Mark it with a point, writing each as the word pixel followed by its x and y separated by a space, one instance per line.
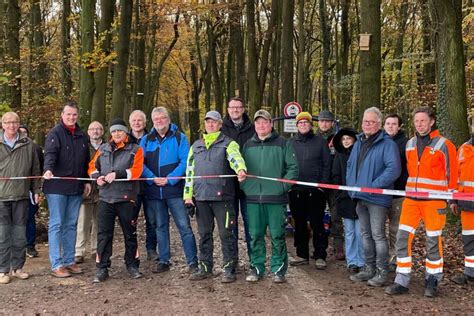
pixel 432 167
pixel 466 185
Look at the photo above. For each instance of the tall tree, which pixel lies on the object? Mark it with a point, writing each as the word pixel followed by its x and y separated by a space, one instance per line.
pixel 13 52
pixel 101 74
pixel 65 46
pixel 119 93
pixel 451 100
pixel 287 88
pixel 325 54
pixel 370 60
pixel 429 71
pixel 141 28
pixel 86 90
pixel 237 49
pixel 252 57
pixel 300 93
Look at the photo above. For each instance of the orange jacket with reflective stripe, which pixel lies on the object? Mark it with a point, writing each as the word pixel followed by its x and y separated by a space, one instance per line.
pixel 466 173
pixel 437 169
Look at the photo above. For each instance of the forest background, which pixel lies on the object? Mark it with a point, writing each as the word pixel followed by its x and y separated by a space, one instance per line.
pixel 192 56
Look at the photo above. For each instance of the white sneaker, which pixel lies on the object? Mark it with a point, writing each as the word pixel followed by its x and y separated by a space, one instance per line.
pixel 20 274
pixel 4 278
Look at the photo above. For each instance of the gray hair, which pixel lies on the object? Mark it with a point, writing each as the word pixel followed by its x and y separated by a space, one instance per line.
pixel 140 112
pixel 376 111
pixel 160 110
pixel 16 116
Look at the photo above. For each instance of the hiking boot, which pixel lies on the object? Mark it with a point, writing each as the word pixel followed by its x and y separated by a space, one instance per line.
pixel 379 279
pixel 396 289
pixel 161 267
pixel 79 259
pixel 31 252
pixel 228 276
pixel 61 272
pixel 200 274
pixel 192 268
pixel 4 278
pixel 19 274
pixel 364 275
pixel 134 272
pixel 431 287
pixel 152 255
pixel 353 269
pixel 321 264
pixel 294 262
pixel 462 279
pixel 253 276
pixel 279 278
pixel 101 275
pixel 74 269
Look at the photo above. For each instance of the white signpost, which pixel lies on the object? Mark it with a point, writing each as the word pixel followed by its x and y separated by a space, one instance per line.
pixel 291 109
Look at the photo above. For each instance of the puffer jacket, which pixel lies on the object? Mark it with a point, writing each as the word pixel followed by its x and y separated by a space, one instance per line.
pixel 20 161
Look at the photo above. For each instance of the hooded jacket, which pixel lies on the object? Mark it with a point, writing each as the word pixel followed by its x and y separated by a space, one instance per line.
pixel 20 161
pixel 379 168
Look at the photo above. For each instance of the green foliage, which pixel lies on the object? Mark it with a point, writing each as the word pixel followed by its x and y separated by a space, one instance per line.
pixel 4 107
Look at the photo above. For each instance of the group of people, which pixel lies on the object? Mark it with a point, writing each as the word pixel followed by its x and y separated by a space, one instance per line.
pixel 224 175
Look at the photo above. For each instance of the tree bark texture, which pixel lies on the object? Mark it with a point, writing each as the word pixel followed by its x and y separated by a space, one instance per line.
pixel 287 77
pixel 13 53
pixel 65 47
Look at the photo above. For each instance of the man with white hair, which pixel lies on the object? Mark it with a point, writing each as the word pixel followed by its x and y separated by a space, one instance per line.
pixel 374 163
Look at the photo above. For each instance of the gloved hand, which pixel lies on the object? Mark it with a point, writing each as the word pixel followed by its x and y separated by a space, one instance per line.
pixel 191 209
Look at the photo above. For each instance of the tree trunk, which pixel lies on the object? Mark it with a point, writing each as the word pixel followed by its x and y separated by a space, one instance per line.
pixel 100 76
pixel 65 46
pixel 370 61
pixel 429 71
pixel 300 91
pixel 274 89
pixel 345 86
pixel 402 17
pixel 212 60
pixel 237 47
pixel 13 53
pixel 86 90
pixel 119 93
pixel 252 57
pixel 451 100
pixel 287 90
pixel 326 52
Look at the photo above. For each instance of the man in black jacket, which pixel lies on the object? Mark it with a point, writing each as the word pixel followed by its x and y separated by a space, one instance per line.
pixel 314 162
pixel 66 154
pixel 238 126
pixel 392 125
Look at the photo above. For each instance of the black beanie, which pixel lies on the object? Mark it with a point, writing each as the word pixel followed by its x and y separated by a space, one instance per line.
pixel 118 124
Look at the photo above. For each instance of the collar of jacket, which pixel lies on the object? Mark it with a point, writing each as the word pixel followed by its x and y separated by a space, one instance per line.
pixel 327 134
pixel 272 136
pixel 304 137
pixel 22 139
pixel 246 123
pixel 381 134
pixel 77 129
pixel 172 129
pixel 120 145
pixel 399 135
pixel 209 139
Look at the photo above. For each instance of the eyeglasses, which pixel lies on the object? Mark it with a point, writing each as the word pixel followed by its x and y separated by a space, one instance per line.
pixel 95 129
pixel 303 122
pixel 11 123
pixel 369 122
pixel 235 107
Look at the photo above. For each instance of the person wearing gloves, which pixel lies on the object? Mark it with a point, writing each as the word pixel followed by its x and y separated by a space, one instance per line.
pixel 119 158
pixel 346 207
pixel 214 154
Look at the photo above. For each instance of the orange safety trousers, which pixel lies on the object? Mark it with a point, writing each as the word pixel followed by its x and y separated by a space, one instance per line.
pixel 433 214
pixel 467 222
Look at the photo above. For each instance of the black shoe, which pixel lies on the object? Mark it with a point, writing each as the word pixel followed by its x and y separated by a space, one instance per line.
pixel 228 276
pixel 31 252
pixel 152 255
pixel 431 287
pixel 192 268
pixel 396 289
pixel 101 275
pixel 353 269
pixel 161 267
pixel 200 275
pixel 462 279
pixel 134 272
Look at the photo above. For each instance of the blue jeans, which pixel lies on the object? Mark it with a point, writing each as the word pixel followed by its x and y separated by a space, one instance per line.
pixel 372 219
pixel 241 204
pixel 159 210
pixel 31 225
pixel 353 241
pixel 63 214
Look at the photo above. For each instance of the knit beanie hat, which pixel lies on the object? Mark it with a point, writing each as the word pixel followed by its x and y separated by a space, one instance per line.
pixel 118 124
pixel 304 116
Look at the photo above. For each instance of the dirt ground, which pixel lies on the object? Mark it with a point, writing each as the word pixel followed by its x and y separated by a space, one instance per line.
pixel 307 291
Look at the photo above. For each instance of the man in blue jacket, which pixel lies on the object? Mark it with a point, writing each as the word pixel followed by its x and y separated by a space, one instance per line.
pixel 374 163
pixel 166 150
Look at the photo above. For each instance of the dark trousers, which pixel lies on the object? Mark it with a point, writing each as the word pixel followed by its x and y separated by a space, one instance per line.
pixel 127 215
pixel 224 213
pixel 31 225
pixel 13 216
pixel 337 228
pixel 150 225
pixel 240 205
pixel 309 206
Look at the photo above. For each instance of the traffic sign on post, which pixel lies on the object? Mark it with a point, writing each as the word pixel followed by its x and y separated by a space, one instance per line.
pixel 291 109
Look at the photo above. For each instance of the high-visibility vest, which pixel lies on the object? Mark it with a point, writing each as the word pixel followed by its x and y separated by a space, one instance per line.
pixel 466 174
pixel 437 168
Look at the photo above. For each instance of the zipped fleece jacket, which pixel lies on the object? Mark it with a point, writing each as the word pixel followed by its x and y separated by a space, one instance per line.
pixel 20 161
pixel 66 155
pixel 164 158
pixel 126 160
pixel 272 157
pixel 379 169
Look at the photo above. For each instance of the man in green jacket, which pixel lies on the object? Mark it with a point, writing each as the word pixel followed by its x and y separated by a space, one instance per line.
pixel 214 154
pixel 269 155
pixel 18 158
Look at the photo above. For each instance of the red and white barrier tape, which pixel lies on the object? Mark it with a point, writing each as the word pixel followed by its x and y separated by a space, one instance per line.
pixel 426 195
